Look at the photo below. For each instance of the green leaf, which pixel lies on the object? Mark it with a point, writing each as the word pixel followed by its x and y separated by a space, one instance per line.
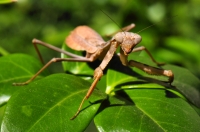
pixel 16 68
pixel 186 83
pixel 145 105
pixel 2 109
pixel 49 103
pixel 141 101
pixel 147 110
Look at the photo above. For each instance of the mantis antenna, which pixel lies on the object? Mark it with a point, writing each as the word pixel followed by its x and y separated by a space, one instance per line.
pixel 112 20
pixel 153 24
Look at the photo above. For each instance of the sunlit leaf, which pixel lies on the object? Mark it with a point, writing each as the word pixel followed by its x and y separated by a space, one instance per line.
pixel 147 110
pixel 16 68
pixel 49 103
pixel 142 101
pixel 186 83
pixel 147 105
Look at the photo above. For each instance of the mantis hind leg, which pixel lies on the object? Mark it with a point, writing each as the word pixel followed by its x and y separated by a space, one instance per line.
pixel 48 64
pixel 36 42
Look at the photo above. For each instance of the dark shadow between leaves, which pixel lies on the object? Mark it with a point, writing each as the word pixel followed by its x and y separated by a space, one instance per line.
pixel 123 98
pixel 169 94
pixel 120 99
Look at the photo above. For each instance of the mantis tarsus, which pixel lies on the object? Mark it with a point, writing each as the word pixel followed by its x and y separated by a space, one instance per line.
pixel 84 38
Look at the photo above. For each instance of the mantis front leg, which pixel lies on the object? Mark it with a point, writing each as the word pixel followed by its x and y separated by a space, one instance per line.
pixel 98 73
pixel 146 68
pixel 153 70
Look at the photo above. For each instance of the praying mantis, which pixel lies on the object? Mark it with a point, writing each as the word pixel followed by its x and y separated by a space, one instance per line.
pixel 83 38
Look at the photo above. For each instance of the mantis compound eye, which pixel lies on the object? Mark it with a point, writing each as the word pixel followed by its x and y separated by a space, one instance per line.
pixel 137 39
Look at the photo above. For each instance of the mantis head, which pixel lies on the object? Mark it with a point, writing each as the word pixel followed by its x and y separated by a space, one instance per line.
pixel 127 41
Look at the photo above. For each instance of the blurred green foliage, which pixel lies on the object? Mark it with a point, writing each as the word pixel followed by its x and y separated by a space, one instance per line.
pixel 173 39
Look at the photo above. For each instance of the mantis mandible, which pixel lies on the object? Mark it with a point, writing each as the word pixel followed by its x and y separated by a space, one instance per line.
pixel 84 38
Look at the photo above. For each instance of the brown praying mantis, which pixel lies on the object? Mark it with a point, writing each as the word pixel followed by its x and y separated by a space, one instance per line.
pixel 84 38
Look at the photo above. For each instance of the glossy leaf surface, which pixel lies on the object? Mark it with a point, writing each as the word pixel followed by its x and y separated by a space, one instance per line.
pixel 147 110
pixel 49 103
pixel 148 104
pixel 16 68
pixel 137 101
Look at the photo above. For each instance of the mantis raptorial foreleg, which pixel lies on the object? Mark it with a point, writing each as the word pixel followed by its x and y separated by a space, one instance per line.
pixel 148 69
pixel 153 70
